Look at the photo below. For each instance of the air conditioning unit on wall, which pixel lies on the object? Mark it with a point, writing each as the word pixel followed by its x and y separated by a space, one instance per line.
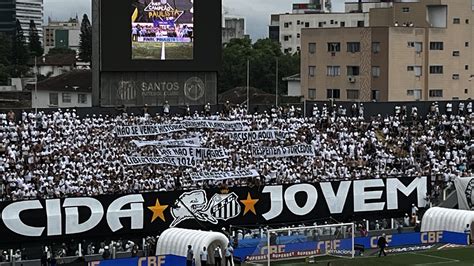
pixel 352 79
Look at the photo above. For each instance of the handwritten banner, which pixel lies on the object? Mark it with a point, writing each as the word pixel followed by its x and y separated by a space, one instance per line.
pixel 214 124
pixel 174 161
pixel 290 151
pixel 147 130
pixel 257 135
pixel 191 142
pixel 197 153
pixel 223 175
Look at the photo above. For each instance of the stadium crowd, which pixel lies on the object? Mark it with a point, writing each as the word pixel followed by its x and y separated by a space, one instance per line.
pixel 61 154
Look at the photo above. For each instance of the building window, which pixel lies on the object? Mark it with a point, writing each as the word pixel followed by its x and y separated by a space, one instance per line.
pixel 455 53
pixel 456 76
pixel 405 9
pixel 375 47
pixel 436 46
pixel 360 23
pixel 415 93
pixel 436 93
pixel 375 71
pixel 456 20
pixel 53 99
pixel 306 24
pixel 411 44
pixel 334 47
pixel 312 47
pixel 298 48
pixel 286 25
pixel 375 95
pixel 298 35
pixel 343 24
pixel 352 94
pixel 352 70
pixel 298 22
pixel 66 97
pixel 82 98
pixel 410 68
pixel 466 67
pixel 467 21
pixel 312 71
pixel 286 38
pixel 466 44
pixel 418 47
pixel 417 70
pixel 333 71
pixel 353 47
pixel 320 24
pixel 436 69
pixel 333 93
pixel 465 91
pixel 312 93
pixel 331 21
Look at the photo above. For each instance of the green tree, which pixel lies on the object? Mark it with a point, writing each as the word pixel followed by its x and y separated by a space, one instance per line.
pixel 35 44
pixel 61 51
pixel 263 55
pixel 5 56
pixel 85 45
pixel 19 55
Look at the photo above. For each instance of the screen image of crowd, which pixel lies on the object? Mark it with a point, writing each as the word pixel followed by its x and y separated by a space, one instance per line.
pixel 162 30
pixel 61 154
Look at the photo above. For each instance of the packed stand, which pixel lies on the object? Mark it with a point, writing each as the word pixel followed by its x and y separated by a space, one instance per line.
pixel 61 154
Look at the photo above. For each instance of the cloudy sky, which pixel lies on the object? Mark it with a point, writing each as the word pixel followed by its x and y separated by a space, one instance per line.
pixel 256 12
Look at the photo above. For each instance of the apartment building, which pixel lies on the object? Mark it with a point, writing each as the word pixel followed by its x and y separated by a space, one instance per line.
pixel 62 34
pixel 24 11
pixel 412 50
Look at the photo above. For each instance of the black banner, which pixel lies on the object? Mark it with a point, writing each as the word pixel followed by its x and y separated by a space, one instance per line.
pixel 152 213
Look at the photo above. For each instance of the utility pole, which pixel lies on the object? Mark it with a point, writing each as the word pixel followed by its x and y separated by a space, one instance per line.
pixel 248 86
pixel 276 84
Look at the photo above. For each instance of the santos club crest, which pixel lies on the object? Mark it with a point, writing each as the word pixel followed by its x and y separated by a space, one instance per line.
pixel 470 194
pixel 194 205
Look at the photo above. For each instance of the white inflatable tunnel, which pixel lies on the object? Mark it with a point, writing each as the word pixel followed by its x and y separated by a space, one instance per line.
pixel 175 241
pixel 443 219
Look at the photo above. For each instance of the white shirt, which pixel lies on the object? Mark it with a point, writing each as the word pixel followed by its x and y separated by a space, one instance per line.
pixel 203 255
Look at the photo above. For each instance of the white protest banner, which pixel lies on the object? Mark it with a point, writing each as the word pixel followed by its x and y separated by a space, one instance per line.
pixel 191 142
pixel 465 190
pixel 258 135
pixel 174 161
pixel 196 153
pixel 290 151
pixel 214 124
pixel 147 130
pixel 223 175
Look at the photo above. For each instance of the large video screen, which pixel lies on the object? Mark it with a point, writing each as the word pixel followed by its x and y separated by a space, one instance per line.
pixel 162 29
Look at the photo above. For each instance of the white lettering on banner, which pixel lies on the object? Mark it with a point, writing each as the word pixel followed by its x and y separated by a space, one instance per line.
pixel 174 161
pixel 394 185
pixel 335 201
pixel 53 215
pixel 258 135
pixel 290 151
pixel 276 198
pixel 361 195
pixel 147 130
pixel 311 198
pixel 191 142
pixel 11 218
pixel 196 153
pixel 214 124
pixel 465 191
pixel 135 213
pixel 223 175
pixel 72 214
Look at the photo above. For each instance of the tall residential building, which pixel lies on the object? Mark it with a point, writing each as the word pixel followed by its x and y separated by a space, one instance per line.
pixel 23 10
pixel 286 28
pixel 7 16
pixel 411 50
pixel 234 28
pixel 62 34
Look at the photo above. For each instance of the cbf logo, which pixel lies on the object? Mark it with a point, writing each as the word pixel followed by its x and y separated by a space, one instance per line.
pixel 194 88
pixel 194 205
pixel 469 194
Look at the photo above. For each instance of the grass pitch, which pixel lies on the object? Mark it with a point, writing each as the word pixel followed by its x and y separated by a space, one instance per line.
pixel 152 51
pixel 453 256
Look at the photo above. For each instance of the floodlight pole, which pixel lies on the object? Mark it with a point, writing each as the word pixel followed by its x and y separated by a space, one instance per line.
pixel 276 84
pixel 36 86
pixel 248 86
